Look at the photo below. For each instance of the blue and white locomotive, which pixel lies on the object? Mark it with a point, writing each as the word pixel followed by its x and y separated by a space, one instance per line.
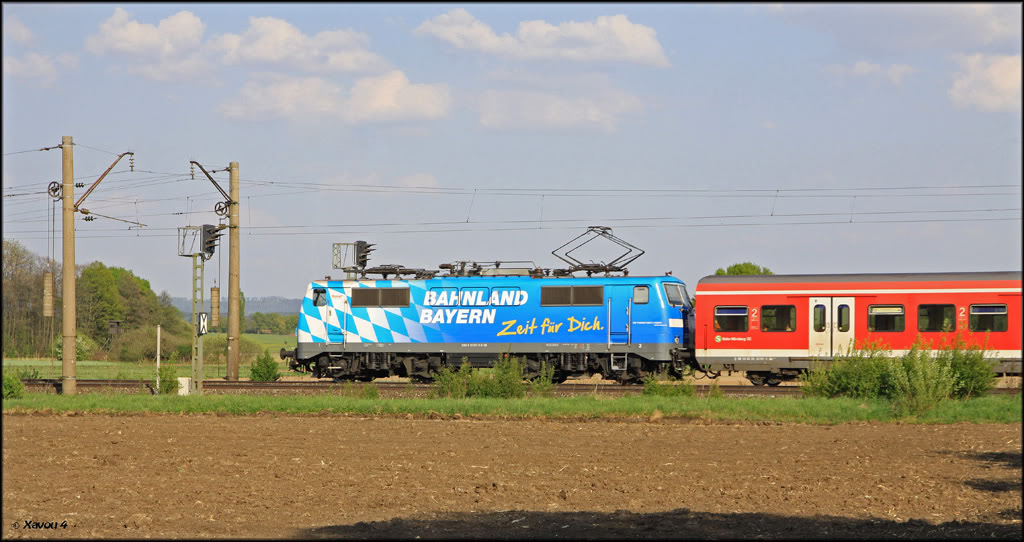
pixel 621 327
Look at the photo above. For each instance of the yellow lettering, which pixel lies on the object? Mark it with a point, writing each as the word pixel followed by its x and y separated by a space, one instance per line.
pixel 507 324
pixel 574 324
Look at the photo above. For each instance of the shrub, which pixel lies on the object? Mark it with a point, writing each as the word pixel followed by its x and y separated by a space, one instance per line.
pixel 13 387
pixel 28 373
pixel 84 346
pixel 715 391
pixel 544 384
pixel 859 374
pixel 183 352
pixel 662 385
pixel 452 383
pixel 264 369
pixel 918 382
pixel 135 345
pixel 168 380
pixel 505 380
pixel 370 391
pixel 973 374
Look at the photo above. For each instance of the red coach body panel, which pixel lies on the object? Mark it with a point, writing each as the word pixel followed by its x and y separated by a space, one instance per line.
pixel 824 296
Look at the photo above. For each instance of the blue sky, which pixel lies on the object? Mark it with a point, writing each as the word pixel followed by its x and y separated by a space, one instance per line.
pixel 805 138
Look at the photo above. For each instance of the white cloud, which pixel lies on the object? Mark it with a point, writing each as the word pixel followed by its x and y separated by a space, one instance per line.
pixel 988 82
pixel 389 97
pixel 898 27
pixel 120 33
pixel 862 68
pixel 605 38
pixel 17 30
pixel 34 67
pixel 525 109
pixel 269 39
pixel 170 50
pixel 897 72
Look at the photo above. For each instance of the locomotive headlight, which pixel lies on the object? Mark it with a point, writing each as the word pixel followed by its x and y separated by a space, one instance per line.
pixel 677 340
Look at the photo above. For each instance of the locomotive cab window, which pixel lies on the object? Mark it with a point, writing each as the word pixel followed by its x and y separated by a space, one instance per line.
pixel 778 318
pixel 319 297
pixel 731 319
pixel 988 318
pixel 380 297
pixel 640 295
pixel 571 295
pixel 676 295
pixel 936 318
pixel 886 318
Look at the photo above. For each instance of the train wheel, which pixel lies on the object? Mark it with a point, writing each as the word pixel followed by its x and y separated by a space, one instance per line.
pixel 773 381
pixel 755 379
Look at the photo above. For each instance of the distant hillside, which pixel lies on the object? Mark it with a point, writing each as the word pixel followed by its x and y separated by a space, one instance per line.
pixel 267 305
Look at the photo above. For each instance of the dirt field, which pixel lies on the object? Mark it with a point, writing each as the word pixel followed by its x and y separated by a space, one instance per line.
pixel 277 476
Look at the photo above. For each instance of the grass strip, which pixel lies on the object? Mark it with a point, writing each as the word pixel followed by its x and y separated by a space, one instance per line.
pixel 990 409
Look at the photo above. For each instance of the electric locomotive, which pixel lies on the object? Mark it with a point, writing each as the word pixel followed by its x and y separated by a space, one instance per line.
pixel 619 326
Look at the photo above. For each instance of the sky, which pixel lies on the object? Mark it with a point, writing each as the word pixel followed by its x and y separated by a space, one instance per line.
pixel 850 138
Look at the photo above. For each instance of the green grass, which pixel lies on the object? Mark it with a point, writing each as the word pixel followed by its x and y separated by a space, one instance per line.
pixel 274 343
pixel 991 409
pixel 104 370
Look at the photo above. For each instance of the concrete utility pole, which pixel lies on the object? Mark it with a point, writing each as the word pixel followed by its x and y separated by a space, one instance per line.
pixel 234 320
pixel 68 379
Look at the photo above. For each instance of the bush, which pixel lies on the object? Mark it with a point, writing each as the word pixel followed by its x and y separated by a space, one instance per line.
pixel 662 385
pixel 28 373
pixel 505 380
pixel 544 384
pixel 370 391
pixel 973 374
pixel 13 387
pixel 859 374
pixel 168 380
pixel 264 369
pixel 454 384
pixel 918 382
pixel 84 346
pixel 914 382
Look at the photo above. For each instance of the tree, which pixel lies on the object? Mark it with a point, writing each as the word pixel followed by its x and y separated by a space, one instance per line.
pixel 745 268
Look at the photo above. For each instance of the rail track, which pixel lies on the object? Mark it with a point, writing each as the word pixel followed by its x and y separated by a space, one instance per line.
pixel 391 389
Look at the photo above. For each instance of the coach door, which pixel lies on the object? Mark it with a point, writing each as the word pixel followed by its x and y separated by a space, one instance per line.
pixel 831 326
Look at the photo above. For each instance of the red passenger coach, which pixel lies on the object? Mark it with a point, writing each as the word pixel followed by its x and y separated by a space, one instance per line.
pixel 774 326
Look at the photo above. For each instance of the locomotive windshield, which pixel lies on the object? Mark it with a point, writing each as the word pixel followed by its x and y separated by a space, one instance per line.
pixel 676 295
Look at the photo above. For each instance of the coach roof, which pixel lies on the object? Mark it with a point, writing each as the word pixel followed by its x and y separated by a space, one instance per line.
pixel 863 277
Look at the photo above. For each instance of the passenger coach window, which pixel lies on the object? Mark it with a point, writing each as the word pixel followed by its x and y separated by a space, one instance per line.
pixel 380 297
pixel 886 318
pixel 319 297
pixel 640 295
pixel 778 318
pixel 988 318
pixel 844 318
pixel 936 318
pixel 731 319
pixel 819 318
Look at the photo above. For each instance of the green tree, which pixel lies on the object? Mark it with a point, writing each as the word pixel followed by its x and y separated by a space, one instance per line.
pixel 98 301
pixel 745 268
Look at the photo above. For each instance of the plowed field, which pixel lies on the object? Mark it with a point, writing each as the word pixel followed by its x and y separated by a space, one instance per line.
pixel 276 476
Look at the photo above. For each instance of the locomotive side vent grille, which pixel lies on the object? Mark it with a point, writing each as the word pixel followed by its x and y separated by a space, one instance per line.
pixel 588 295
pixel 556 295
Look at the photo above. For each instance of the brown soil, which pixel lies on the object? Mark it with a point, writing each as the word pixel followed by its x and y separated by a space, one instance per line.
pixel 275 476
